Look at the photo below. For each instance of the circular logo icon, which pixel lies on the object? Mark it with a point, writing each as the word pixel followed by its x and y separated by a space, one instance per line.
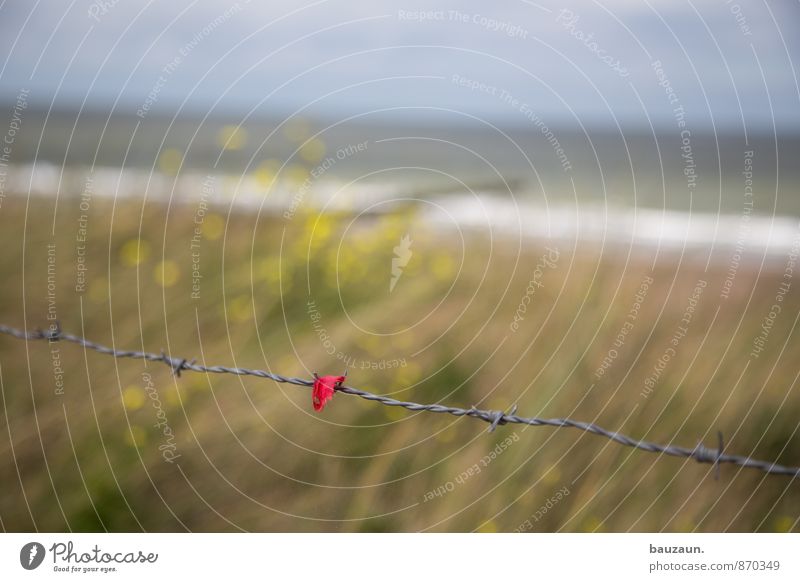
pixel 31 555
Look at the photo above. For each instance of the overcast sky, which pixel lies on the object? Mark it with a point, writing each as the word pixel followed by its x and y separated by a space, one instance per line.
pixel 727 63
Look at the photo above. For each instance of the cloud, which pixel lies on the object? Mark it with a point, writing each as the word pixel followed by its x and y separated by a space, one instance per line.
pixel 714 53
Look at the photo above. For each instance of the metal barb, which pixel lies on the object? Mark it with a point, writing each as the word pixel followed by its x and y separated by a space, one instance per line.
pixel 176 364
pixel 499 417
pixel 495 418
pixel 703 454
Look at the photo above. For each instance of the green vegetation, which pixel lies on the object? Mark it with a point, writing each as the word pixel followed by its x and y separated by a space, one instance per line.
pixel 254 455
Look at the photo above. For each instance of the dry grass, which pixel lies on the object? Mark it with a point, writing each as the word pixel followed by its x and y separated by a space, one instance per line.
pixel 253 455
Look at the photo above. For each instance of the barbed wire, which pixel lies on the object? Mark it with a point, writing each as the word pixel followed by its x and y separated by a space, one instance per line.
pixel 495 418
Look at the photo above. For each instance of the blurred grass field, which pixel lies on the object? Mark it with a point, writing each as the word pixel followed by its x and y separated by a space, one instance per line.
pixel 254 455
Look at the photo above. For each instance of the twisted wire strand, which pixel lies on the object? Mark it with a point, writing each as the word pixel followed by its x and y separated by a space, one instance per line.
pixel 699 453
